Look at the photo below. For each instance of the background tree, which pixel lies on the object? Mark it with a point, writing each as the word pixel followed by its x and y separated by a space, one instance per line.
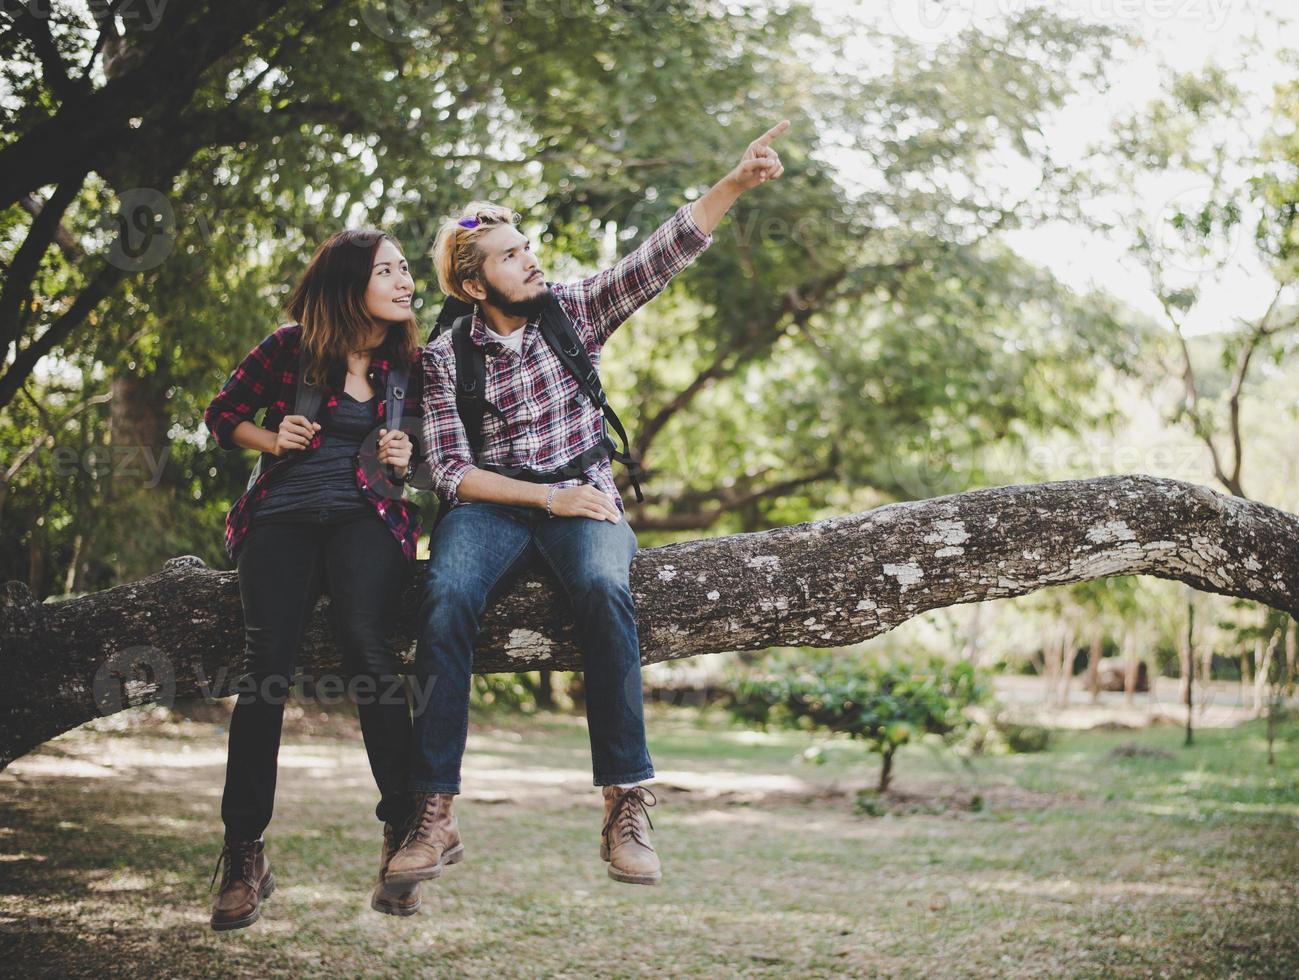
pixel 885 703
pixel 829 328
pixel 1234 208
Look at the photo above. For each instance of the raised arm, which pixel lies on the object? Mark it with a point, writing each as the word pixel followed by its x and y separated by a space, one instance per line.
pixel 759 164
pixel 607 298
pixel 603 301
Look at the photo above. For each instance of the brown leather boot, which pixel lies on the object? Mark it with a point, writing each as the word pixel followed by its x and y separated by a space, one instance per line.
pixel 246 881
pixel 387 898
pixel 432 841
pixel 625 842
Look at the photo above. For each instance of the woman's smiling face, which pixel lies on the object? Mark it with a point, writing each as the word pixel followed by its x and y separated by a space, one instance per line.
pixel 388 293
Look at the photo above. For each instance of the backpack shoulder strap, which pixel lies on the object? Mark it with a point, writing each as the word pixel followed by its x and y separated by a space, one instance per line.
pixel 307 399
pixel 395 396
pixel 557 329
pixel 471 382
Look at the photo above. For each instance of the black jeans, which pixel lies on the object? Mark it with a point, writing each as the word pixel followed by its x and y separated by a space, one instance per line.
pixel 283 568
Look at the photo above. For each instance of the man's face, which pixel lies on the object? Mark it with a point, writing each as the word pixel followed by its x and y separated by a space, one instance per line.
pixel 512 280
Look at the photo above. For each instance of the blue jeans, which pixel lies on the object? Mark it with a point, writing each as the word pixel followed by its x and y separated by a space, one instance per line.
pixel 477 552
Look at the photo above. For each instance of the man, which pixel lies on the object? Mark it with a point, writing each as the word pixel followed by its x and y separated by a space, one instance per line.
pixel 497 526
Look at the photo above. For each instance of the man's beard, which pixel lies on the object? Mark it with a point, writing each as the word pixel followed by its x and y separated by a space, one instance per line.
pixel 529 308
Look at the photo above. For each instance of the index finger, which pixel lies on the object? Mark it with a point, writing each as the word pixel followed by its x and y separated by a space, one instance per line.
pixel 772 133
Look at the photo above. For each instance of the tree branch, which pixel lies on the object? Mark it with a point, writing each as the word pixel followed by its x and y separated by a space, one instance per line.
pixel 52 431
pixel 798 302
pixel 68 245
pixel 157 86
pixel 45 227
pixel 729 499
pixel 54 73
pixel 1258 333
pixel 16 372
pixel 1198 423
pixel 826 583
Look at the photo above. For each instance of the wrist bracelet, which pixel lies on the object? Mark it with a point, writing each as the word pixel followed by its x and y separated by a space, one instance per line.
pixel 549 497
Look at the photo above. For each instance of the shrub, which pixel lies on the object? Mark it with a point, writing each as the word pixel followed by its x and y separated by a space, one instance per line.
pixel 884 702
pixel 1027 738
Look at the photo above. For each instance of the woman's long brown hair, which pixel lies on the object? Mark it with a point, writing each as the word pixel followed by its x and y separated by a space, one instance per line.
pixel 329 303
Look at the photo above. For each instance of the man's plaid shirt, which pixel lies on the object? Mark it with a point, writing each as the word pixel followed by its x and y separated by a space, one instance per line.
pixel 549 423
pixel 268 378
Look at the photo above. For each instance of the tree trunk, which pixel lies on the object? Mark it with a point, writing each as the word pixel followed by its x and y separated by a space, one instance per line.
pixel 1248 696
pixel 886 770
pixel 1052 650
pixel 1186 654
pixel 1247 680
pixel 1206 674
pixel 973 642
pixel 36 551
pixel 1263 675
pixel 1271 734
pixel 1068 653
pixel 1130 663
pixel 1290 644
pixel 576 690
pixel 139 420
pixel 1152 675
pixel 828 583
pixel 545 691
pixel 1094 664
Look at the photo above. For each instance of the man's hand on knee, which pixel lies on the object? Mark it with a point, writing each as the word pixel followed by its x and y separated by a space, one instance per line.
pixel 585 501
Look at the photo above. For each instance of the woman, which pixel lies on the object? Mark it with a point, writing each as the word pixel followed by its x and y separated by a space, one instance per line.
pixel 323 512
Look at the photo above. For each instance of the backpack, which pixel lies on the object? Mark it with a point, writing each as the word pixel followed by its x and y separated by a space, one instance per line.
pixel 557 330
pixel 308 397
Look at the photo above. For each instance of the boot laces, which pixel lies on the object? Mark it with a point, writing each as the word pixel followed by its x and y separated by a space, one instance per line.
pixel 623 817
pixel 241 855
pixel 422 819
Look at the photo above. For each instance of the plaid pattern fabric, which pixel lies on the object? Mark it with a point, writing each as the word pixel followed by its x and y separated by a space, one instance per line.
pixel 267 378
pixel 548 421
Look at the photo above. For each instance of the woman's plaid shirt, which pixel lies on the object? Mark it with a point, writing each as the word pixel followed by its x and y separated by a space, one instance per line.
pixel 549 423
pixel 268 378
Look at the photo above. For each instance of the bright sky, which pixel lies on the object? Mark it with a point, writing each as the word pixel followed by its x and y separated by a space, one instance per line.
pixel 1182 34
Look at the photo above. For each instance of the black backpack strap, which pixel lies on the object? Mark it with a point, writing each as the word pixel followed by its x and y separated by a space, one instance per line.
pixel 395 396
pixel 394 406
pixel 558 331
pixel 471 383
pixel 471 378
pixel 572 470
pixel 308 397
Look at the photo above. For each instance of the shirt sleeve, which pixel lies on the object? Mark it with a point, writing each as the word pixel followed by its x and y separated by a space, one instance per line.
pixel 607 298
pixel 446 446
pixel 247 390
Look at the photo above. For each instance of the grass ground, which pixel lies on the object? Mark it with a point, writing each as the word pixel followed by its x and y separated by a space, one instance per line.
pixel 1164 861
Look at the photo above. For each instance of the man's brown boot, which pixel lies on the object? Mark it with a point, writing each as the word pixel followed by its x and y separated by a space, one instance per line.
pixel 432 841
pixel 625 842
pixel 388 898
pixel 246 881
